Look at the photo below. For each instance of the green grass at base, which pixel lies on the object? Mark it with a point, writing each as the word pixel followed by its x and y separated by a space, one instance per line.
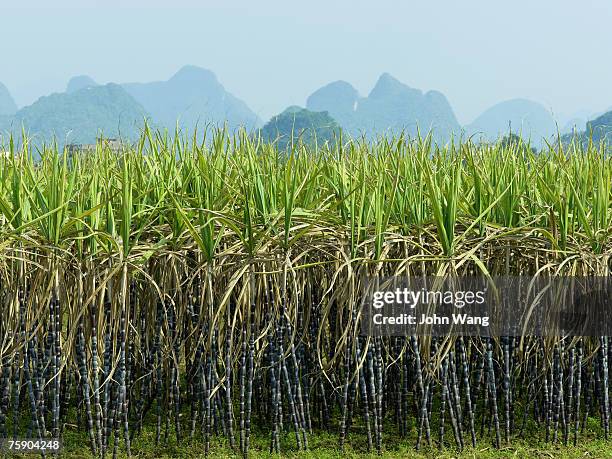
pixel 325 446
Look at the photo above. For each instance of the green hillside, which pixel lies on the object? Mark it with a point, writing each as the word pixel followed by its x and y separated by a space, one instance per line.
pixel 80 116
pixel 299 125
pixel 601 128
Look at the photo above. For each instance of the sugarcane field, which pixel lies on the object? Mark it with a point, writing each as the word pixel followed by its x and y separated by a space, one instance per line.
pixel 202 290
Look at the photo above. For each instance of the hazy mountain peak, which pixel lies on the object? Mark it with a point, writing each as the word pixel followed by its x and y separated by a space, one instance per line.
pixel 521 103
pixel 7 104
pixel 339 86
pixel 391 107
pixel 191 74
pixel 80 82
pixel 512 108
pixel 336 96
pixel 435 95
pixel 192 97
pixel 389 86
pixel 522 116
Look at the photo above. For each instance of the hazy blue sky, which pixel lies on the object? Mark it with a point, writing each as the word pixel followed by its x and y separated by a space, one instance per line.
pixel 273 53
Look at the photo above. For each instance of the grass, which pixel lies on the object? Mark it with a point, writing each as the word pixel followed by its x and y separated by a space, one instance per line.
pixel 325 446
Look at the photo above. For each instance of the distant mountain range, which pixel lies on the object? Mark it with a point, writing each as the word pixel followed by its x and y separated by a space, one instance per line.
pixel 194 97
pixel 79 116
pixel 390 107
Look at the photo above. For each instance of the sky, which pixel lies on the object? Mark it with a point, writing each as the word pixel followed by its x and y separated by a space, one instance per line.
pixel 274 53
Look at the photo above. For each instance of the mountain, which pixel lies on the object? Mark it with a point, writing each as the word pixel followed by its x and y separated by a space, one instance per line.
pixel 80 82
pixel 340 100
pixel 597 130
pixel 525 117
pixel 7 104
pixel 300 125
pixel 600 128
pixel 80 116
pixel 574 125
pixel 390 107
pixel 192 96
